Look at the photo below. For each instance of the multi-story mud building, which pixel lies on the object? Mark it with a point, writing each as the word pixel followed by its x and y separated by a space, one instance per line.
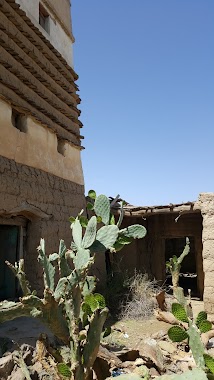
pixel 41 179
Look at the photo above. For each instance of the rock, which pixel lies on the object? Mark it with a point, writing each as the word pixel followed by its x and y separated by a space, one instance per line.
pixel 153 372
pixel 167 346
pixel 179 355
pixel 130 355
pixel 110 357
pixel 142 371
pixel 17 374
pixel 27 353
pixel 139 361
pixel 160 297
pixel 5 345
pixel 6 366
pixel 35 370
pixel 131 376
pixel 101 368
pixel 211 351
pixel 183 366
pixel 127 364
pixel 152 353
pixel 207 337
pixel 189 375
pixel 159 335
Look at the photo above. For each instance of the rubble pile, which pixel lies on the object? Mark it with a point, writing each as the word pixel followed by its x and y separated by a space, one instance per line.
pixel 154 357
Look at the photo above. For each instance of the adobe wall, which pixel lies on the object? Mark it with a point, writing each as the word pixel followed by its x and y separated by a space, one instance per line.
pixel 51 195
pixel 60 29
pixel 206 204
pixel 34 78
pixel 37 146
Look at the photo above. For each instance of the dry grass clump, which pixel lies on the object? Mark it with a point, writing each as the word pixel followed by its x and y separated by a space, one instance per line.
pixel 141 300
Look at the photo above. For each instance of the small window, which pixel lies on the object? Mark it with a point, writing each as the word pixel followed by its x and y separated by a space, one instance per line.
pixel 44 18
pixel 61 146
pixel 18 120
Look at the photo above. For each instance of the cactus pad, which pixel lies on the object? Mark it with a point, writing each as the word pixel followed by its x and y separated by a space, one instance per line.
pixel 136 231
pixel 202 316
pixel 179 295
pixel 77 233
pixel 102 208
pixel 100 300
pixel 64 370
pixel 92 194
pixel 107 236
pixel 90 233
pixel 177 334
pixel 205 326
pixel 196 345
pixel 179 312
pixel 209 361
pixel 91 301
pixel 82 259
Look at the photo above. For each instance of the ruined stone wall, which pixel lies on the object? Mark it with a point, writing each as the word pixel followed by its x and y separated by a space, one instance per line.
pixel 161 227
pixel 206 204
pixel 148 254
pixel 53 196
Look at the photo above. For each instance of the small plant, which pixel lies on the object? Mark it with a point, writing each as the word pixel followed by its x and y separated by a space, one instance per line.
pixel 70 308
pixel 141 299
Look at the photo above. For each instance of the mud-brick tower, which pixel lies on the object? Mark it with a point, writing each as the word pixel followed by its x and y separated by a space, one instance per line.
pixel 41 179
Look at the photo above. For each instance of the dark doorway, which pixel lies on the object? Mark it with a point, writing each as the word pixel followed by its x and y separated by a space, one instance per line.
pixel 9 237
pixel 188 274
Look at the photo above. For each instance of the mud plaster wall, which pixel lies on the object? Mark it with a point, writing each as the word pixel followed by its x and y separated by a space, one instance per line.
pixel 206 204
pixel 60 31
pixel 148 254
pixel 34 77
pixel 36 146
pixel 54 196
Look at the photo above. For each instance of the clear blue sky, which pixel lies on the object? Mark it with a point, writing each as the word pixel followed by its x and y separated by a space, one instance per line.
pixel 146 79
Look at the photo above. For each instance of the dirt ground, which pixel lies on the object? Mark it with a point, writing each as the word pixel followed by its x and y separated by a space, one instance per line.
pixel 124 333
pixel 131 333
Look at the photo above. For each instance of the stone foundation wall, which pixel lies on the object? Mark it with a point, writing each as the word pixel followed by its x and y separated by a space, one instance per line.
pixel 206 204
pixel 52 196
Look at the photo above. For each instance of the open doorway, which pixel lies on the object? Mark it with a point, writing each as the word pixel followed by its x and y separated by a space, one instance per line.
pixel 9 247
pixel 188 275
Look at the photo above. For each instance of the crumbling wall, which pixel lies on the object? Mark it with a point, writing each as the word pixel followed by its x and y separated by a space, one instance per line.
pixel 148 254
pixel 54 196
pixel 206 204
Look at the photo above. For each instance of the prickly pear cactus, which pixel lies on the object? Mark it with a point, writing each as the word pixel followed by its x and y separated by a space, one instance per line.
pixel 196 345
pixel 209 361
pixel 179 295
pixel 177 334
pixel 102 208
pixel 202 316
pixel 205 326
pixel 69 307
pixel 179 312
pixel 174 265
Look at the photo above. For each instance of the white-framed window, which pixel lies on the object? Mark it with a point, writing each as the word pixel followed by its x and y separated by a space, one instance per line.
pixel 44 18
